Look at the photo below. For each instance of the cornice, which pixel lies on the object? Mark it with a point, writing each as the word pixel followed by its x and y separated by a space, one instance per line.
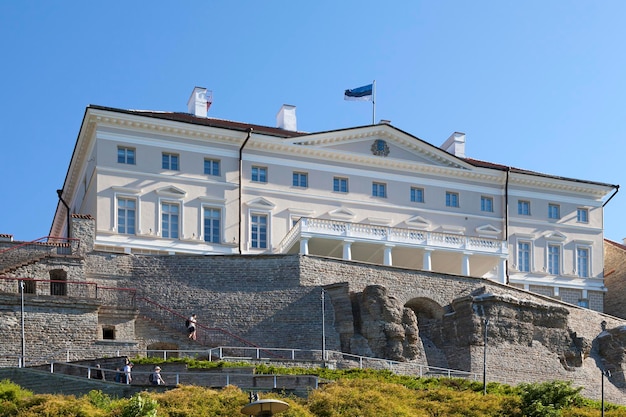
pixel 282 148
pixel 167 127
pixel 528 180
pixel 381 132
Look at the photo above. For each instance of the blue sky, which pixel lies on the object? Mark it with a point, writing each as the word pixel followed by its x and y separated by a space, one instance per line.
pixel 536 84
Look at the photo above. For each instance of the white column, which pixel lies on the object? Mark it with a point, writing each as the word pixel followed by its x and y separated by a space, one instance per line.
pixel 304 246
pixel 387 258
pixel 347 249
pixel 427 261
pixel 465 267
pixel 502 270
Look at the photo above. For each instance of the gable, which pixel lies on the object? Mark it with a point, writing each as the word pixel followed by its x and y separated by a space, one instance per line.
pixel 381 142
pixel 171 191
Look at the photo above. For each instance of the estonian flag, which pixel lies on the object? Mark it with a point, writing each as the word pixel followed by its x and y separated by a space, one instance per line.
pixel 359 94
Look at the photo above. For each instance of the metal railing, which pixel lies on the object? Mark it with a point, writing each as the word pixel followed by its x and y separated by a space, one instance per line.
pixel 14 255
pixel 207 377
pixel 112 296
pixel 205 335
pixel 338 359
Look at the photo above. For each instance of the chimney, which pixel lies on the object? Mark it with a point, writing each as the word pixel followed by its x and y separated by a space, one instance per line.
pixel 197 103
pixel 286 118
pixel 455 144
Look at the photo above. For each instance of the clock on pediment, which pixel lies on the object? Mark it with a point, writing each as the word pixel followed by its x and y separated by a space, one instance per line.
pixel 380 148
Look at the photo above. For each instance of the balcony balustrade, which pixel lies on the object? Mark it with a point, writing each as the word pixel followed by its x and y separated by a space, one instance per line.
pixel 334 229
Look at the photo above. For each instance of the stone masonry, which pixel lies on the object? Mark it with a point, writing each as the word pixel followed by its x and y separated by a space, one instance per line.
pixel 275 301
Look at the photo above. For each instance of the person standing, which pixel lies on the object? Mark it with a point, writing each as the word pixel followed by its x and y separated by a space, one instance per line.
pixel 191 327
pixel 127 369
pixel 156 378
pixel 98 374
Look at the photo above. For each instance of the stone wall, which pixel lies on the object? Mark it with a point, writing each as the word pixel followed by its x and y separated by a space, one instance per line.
pixel 615 278
pixel 276 301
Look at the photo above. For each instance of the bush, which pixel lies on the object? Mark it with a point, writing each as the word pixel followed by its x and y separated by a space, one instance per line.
pixel 547 399
pixel 139 406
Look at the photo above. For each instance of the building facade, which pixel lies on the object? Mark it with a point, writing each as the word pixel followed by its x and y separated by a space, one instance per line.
pixel 173 183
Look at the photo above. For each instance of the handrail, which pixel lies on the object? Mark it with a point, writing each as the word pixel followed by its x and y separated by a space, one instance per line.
pixel 17 255
pixel 42 242
pixel 96 293
pixel 202 330
pixel 229 378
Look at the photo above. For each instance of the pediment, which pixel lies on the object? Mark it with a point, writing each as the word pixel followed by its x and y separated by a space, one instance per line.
pixel 554 235
pixel 488 229
pixel 261 203
pixel 381 142
pixel 341 214
pixel 171 191
pixel 418 222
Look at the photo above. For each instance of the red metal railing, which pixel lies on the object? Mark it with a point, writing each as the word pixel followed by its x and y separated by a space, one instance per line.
pixel 15 255
pixel 205 335
pixel 107 295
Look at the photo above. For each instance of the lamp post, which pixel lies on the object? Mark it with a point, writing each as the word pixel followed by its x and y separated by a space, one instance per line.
pixel 22 358
pixel 605 373
pixel 323 328
pixel 485 358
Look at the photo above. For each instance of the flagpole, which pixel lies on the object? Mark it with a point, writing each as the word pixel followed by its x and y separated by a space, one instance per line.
pixel 374 102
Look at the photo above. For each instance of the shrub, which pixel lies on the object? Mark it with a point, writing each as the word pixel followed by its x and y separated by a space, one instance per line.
pixel 139 406
pixel 547 399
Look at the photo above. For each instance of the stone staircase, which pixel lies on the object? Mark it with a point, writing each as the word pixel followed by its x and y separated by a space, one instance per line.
pixel 9 268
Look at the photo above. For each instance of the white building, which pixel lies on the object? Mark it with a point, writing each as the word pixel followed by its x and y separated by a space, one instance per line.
pixel 168 183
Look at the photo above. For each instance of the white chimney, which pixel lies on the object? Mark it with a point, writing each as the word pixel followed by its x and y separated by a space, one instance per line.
pixel 286 118
pixel 197 103
pixel 455 144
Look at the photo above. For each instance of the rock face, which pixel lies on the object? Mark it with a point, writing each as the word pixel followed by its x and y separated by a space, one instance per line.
pixel 611 345
pixel 387 328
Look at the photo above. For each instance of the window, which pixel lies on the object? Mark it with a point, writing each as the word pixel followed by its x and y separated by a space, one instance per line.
pixel 523 207
pixel 554 211
pixel 125 155
pixel 30 286
pixel 340 185
pixel 126 210
pixel 212 220
pixel 108 332
pixel 523 256
pixel 554 259
pixel 169 220
pixel 259 174
pixel 417 195
pixel 582 215
pixel 212 167
pixel 379 189
pixel 170 161
pixel 486 203
pixel 582 262
pixel 58 284
pixel 452 199
pixel 258 229
pixel 300 179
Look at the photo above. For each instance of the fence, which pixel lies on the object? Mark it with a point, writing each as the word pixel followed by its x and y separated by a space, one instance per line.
pixel 111 296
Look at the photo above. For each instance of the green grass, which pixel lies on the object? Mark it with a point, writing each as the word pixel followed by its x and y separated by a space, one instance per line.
pixel 350 393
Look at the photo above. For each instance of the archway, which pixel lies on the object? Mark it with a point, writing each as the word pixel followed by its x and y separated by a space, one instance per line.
pixel 429 322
